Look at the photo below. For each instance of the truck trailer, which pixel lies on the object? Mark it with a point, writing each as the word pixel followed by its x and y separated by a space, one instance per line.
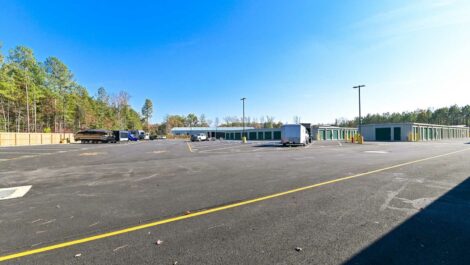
pixel 294 134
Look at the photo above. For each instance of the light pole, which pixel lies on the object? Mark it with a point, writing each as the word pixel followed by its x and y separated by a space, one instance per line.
pixel 243 121
pixel 360 117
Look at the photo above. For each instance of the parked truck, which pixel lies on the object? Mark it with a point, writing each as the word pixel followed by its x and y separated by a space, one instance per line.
pixel 121 136
pixel 294 134
pixel 95 136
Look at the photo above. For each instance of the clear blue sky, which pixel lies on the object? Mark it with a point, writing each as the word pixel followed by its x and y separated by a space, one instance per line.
pixel 287 57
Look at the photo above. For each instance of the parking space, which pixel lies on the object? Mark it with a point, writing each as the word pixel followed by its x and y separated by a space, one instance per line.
pixel 18 152
pixel 22 152
pixel 226 147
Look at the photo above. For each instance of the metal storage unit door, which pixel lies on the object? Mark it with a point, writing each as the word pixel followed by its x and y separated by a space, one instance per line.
pixel 268 135
pixel 260 136
pixel 252 135
pixel 277 135
pixel 238 136
pixel 383 134
pixel 397 134
pixel 328 135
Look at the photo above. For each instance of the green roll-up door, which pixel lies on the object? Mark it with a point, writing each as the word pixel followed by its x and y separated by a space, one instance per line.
pixel 260 136
pixel 328 135
pixel 335 134
pixel 238 136
pixel 268 135
pixel 383 134
pixel 277 135
pixel 252 135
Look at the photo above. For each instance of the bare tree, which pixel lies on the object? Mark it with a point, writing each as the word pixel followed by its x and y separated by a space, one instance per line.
pixel 120 102
pixel 269 122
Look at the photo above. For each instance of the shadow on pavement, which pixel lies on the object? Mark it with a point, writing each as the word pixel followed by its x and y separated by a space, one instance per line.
pixel 268 144
pixel 438 234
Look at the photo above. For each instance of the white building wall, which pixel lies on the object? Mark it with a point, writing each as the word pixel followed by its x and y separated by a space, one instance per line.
pixel 423 132
pixel 368 130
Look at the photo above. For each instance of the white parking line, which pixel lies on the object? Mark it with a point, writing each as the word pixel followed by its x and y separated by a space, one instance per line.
pixel 222 148
pixel 376 152
pixel 14 192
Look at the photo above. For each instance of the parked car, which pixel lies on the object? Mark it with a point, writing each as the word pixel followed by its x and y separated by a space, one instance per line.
pixel 294 134
pixel 95 136
pixel 199 137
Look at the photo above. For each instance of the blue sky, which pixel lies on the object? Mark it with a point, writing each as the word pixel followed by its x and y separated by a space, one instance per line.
pixel 287 57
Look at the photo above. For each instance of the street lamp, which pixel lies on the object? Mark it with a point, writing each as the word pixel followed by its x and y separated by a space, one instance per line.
pixel 360 117
pixel 243 121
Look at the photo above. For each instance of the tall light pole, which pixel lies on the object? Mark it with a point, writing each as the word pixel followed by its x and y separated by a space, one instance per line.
pixel 243 99
pixel 360 117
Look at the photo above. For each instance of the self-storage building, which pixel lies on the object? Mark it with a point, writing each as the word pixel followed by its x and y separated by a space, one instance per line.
pixel 412 132
pixel 325 132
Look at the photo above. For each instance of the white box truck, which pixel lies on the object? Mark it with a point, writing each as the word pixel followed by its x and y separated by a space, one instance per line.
pixel 294 134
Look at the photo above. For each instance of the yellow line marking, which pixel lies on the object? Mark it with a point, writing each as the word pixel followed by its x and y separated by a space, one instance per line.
pixel 189 147
pixel 208 211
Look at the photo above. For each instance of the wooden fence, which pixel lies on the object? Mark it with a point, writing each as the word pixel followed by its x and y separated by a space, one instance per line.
pixel 15 139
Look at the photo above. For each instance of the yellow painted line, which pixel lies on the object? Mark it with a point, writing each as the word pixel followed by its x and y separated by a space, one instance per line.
pixel 189 147
pixel 208 211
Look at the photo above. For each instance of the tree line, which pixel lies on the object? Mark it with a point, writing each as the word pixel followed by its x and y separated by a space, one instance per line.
pixel 44 97
pixel 192 120
pixel 453 115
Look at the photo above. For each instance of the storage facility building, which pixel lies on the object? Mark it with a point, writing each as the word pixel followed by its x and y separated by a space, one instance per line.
pixel 326 132
pixel 412 132
pixel 231 133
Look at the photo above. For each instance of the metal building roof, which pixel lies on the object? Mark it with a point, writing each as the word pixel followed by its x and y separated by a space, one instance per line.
pixel 414 123
pixel 209 128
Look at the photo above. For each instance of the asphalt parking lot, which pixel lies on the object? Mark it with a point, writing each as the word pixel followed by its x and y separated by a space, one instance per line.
pixel 223 202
